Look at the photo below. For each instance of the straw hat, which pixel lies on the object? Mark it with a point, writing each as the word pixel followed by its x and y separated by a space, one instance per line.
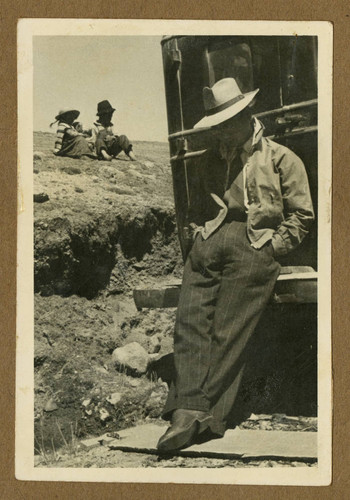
pixel 223 101
pixel 65 111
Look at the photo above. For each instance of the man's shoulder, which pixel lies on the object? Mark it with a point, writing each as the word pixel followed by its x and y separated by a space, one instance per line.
pixel 279 151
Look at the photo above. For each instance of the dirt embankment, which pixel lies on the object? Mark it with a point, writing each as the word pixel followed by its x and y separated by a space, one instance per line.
pixel 101 229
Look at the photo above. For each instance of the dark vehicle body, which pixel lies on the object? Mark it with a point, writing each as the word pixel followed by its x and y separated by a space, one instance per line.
pixel 283 376
pixel 284 68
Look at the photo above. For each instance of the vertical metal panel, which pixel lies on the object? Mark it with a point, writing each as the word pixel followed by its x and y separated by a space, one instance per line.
pixel 285 71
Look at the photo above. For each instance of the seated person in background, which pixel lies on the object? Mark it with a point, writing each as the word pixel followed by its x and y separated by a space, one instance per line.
pixel 79 127
pixel 69 142
pixel 107 144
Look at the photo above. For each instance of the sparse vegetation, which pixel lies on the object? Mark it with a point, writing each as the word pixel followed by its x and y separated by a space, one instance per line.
pixel 100 231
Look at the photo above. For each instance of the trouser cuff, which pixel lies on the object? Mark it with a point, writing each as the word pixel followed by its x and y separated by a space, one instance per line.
pixel 185 404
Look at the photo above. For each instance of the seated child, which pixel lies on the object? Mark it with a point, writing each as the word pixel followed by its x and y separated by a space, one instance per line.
pixel 79 127
pixel 107 144
pixel 69 142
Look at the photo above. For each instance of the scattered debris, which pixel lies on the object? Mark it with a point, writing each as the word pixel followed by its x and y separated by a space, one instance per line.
pixel 114 398
pixel 279 421
pixel 50 406
pixel 134 382
pixel 154 344
pixel 85 250
pixel 104 414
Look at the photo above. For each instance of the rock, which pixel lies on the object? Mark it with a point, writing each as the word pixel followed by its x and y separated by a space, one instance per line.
pixel 104 415
pixel 101 369
pixel 155 397
pixel 39 194
pixel 134 382
pixel 136 174
pixel 114 398
pixel 119 190
pixel 77 189
pixel 41 197
pixel 41 353
pixel 154 344
pixel 107 171
pixel 148 164
pixel 138 266
pixel 156 401
pixel 50 406
pixel 119 175
pixel 38 155
pixel 151 178
pixel 132 357
pixel 71 170
pixel 154 356
pixel 86 402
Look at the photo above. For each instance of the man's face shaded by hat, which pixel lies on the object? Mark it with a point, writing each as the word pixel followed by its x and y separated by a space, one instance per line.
pixel 235 131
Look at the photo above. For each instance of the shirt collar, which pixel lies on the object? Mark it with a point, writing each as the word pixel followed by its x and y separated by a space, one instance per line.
pixel 229 153
pixel 254 139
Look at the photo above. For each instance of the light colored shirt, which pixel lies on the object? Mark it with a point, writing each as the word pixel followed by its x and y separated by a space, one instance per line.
pixel 228 154
pixel 98 127
pixel 276 194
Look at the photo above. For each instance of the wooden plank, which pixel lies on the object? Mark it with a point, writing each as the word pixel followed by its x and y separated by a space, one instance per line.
pixel 236 443
pixel 87 444
pixel 295 284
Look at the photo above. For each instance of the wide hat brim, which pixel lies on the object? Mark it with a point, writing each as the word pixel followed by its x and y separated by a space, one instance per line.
pixel 226 114
pixel 74 112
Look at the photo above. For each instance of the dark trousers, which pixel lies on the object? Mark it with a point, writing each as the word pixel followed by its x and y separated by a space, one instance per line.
pixel 113 144
pixel 226 286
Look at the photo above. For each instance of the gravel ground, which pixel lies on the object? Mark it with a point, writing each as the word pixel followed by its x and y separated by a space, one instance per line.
pixel 102 229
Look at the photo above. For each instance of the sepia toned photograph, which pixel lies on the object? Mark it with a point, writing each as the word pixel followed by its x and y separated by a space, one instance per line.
pixel 174 251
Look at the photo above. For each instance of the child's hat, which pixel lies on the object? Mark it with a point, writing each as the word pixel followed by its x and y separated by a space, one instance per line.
pixel 104 107
pixel 65 111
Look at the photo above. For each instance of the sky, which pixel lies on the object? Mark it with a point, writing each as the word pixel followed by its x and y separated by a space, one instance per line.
pixel 80 71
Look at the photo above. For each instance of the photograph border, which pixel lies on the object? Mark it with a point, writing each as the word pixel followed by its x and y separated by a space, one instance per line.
pixel 27 28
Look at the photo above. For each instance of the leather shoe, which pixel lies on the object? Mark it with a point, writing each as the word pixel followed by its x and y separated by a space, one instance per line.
pixel 185 427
